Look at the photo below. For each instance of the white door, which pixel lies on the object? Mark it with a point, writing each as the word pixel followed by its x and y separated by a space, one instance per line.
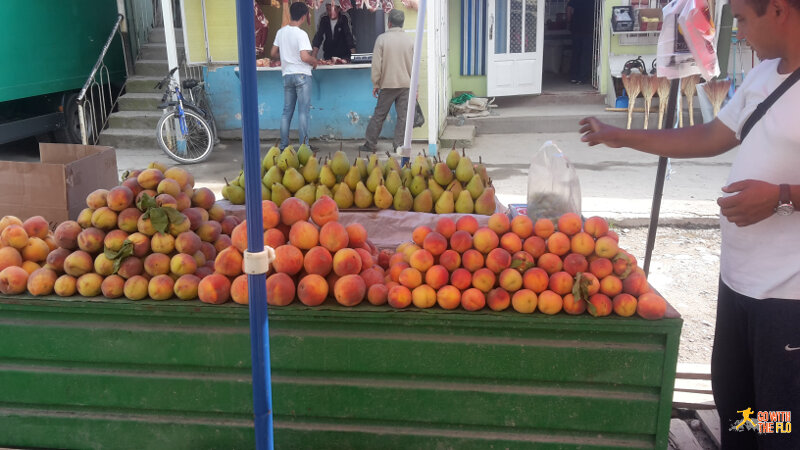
pixel 514 47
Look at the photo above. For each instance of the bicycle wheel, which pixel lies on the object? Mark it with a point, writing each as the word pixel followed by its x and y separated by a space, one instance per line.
pixel 196 144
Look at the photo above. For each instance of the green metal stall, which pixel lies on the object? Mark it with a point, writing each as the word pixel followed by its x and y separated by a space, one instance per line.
pixel 98 373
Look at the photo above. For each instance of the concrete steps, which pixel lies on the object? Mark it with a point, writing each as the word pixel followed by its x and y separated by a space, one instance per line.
pixel 139 102
pixel 157 51
pixel 157 35
pixel 138 84
pixel 146 120
pixel 129 138
pixel 151 67
pixel 461 136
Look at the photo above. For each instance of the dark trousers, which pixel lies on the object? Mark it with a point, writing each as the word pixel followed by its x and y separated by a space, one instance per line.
pixel 580 67
pixel 387 97
pixel 756 364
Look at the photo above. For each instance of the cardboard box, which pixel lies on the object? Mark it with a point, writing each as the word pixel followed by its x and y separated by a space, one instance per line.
pixel 651 14
pixel 56 188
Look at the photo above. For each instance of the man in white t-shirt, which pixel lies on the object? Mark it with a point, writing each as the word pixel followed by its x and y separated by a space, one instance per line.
pixel 756 358
pixel 294 48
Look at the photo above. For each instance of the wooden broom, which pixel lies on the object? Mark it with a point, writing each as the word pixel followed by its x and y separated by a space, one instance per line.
pixel 635 86
pixel 648 91
pixel 689 87
pixel 663 98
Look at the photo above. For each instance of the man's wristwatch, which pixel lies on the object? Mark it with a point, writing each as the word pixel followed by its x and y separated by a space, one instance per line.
pixel 785 206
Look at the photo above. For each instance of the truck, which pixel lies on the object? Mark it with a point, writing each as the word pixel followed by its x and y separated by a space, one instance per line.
pixel 50 49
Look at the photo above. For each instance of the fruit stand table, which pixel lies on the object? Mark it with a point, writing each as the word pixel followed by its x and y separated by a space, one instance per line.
pixel 94 373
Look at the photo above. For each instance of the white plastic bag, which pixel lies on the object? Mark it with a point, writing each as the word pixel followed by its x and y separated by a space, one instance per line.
pixel 553 185
pixel 699 32
pixel 686 42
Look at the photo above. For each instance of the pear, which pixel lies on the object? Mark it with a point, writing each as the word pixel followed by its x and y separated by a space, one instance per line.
pixel 240 179
pixel 480 169
pixel 442 174
pixel 339 164
pixel 363 197
pixel 343 196
pixel 485 203
pixel 393 182
pixel 383 198
pixel 375 178
pixel 304 152
pixel 288 159
pixel 373 162
pixel 464 203
pixel 352 177
pixel 266 194
pixel 326 176
pixel 272 155
pixel 391 164
pixel 475 186
pixel 403 201
pixel 273 175
pixel 455 188
pixel 424 201
pixel 418 184
pixel 362 166
pixel 420 166
pixel 233 193
pixel 311 169
pixel 307 193
pixel 435 188
pixel 464 170
pixel 279 193
pixel 445 203
pixel 293 180
pixel 406 176
pixel 322 191
pixel 452 158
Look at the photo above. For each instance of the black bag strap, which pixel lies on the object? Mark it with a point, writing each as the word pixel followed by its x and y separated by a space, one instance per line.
pixel 762 107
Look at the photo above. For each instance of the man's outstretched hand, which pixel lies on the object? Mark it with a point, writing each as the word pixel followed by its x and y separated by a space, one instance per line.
pixel 752 202
pixel 596 132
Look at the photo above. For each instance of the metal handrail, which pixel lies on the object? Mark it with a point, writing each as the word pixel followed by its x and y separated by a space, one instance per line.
pixel 100 67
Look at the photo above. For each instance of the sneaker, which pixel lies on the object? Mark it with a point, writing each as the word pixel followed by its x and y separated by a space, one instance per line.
pixel 574 81
pixel 365 148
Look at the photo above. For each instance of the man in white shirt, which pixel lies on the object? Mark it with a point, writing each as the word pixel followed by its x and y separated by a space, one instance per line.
pixel 756 358
pixel 294 48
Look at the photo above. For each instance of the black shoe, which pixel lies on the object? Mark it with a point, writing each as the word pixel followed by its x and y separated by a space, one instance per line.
pixel 574 81
pixel 365 148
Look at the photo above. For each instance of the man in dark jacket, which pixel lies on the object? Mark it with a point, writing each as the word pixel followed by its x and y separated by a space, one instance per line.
pixel 334 29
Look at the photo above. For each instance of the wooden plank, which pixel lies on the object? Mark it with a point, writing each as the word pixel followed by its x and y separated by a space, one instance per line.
pixel 694 371
pixel 681 437
pixel 698 386
pixel 692 400
pixel 709 418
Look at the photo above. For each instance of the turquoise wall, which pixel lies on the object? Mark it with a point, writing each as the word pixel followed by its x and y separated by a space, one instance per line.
pixel 475 84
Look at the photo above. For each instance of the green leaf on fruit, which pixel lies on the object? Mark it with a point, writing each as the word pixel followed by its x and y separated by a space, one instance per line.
pixel 146 202
pixel 119 255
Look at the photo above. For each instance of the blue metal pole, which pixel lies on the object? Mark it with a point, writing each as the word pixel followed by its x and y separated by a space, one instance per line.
pixel 257 289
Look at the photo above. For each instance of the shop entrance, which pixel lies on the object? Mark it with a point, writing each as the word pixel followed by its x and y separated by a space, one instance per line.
pixel 514 47
pixel 560 44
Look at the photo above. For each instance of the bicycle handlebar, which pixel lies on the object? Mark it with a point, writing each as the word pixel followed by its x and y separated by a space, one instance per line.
pixel 166 78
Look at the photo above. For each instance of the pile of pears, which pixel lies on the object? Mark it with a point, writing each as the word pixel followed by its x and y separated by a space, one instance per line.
pixel 429 185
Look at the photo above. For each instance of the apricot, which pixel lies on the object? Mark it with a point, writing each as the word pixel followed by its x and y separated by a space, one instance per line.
pixel 346 262
pixel 510 280
pixel 450 259
pixel 435 243
pixel 324 210
pixel 574 263
pixel 41 281
pixel 399 297
pixel 569 223
pixel 65 286
pixel 216 289
pixel 239 290
pixel 472 260
pixel 228 262
pixel 574 306
pixel 599 305
pixel 473 300
pixel 156 264
pixel 606 247
pixel 186 286
pixel 333 236
pixel 550 303
pixel 89 284
pixel 635 284
pixel 423 296
pixel 624 305
pixel 461 279
pixel 448 297
pixel 419 234
pixel 550 262
pixel 484 280
pixel 535 246
pixel 292 210
pixel 468 224
pixel 349 290
pixel 303 235
pixel 377 294
pixel 611 286
pixel 113 286
pixel 498 260
pixel 561 283
pixel 543 228
pixel 78 263
pixel 596 226
pixel 461 241
pixel 357 235
pixel 97 199
pixel 485 240
pixel 650 306
pixel 524 300
pixel 14 236
pixel 9 256
pixel 421 260
pixel 437 276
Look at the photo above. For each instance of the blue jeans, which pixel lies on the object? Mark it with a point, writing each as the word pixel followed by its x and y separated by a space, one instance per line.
pixel 296 90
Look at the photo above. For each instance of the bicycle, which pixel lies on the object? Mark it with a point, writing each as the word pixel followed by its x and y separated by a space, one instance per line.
pixel 186 131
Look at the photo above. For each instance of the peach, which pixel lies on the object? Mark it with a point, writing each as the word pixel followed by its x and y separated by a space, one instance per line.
pixel 498 299
pixel 216 289
pixel 484 280
pixel 574 306
pixel 601 268
pixel 421 260
pixel 399 297
pixel 473 300
pixel 36 226
pixel 97 199
pixel 550 303
pixel 349 290
pixel 178 227
pixel 239 290
pixel 524 300
pixel 574 263
pixel 188 242
pixel 181 176
pixel 346 262
pixel 135 288
pixel 396 269
pixel 499 223
pixel 318 260
pixel 569 223
pixel 357 235
pixel 535 246
pixel 103 265
pixel 377 294
pixel 599 305
pixel 183 264
pixel 312 290
pixel 550 262
pixel 145 226
pixel 292 210
pixel 635 284
pixel 611 286
pixel 14 236
pixel 367 260
pixel 650 306
pixel 169 186
pixel 485 240
pixel 437 276
pixel 275 238
pixel 522 261
pixel 559 243
pixel 448 297
pixel 128 220
pixel 435 243
pixel 200 257
pixel 65 286
pixel 498 260
pixel 561 283
pixel 30 266
pixel 66 234
pixel 228 262
pixel 511 242
pixel 84 218
pixel 446 227
pixel 423 296
pixel 161 287
pixel 112 286
pixel 228 223
pixel 204 271
pixel 203 198
pixel 120 198
pixel 133 185
pixel 151 193
pixel 239 236
pixel 78 263
pixel 582 243
pixel 186 286
pixel 596 226
pixel 522 226
pixel 303 235
pixel 55 259
pixel 396 258
pixel 419 234
pixel 510 280
pixel 461 241
pixel 624 305
pixel 588 284
pixel 150 178
pixel 324 210
pixel 409 250
pixel 333 236
pixel 196 217
pixel 613 235
pixel 410 277
pixel 543 228
pixel 162 243
pixel 372 276
pixel 183 201
pixel 472 260
pixel 209 231
pixel 9 220
pixel 384 258
pixel 89 284
pixel 141 244
pixel 461 279
pixel 216 212
pixel 91 240
pixel 623 263
pixel 468 224
pixel 289 259
pixel 36 250
pixel 450 259
pixel 606 247
pixel 156 264
pixel 130 267
pixel 104 218
pixel 114 240
pixel 41 281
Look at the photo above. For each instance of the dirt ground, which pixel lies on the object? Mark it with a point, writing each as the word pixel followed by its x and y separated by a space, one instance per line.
pixel 685 270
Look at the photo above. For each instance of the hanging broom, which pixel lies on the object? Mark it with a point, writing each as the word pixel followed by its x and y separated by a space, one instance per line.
pixel 689 87
pixel 717 90
pixel 648 91
pixel 663 98
pixel 634 87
